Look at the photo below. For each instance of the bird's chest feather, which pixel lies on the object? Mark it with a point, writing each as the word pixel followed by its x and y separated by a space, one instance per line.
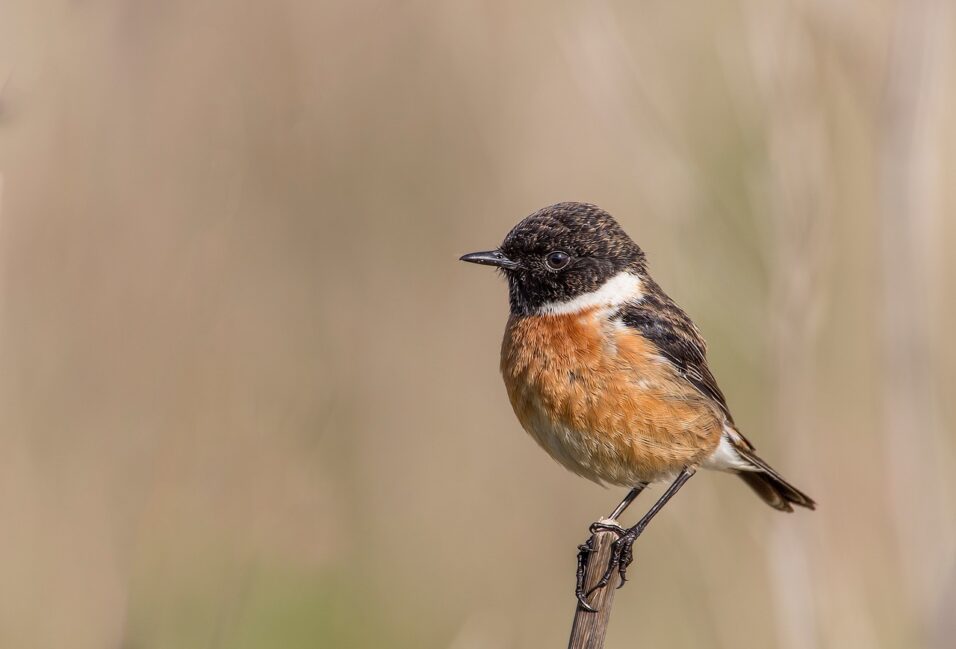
pixel 600 399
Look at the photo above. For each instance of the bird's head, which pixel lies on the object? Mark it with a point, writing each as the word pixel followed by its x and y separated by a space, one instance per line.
pixel 566 258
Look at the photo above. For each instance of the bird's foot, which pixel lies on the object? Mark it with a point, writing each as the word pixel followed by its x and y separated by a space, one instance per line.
pixel 622 555
pixel 584 551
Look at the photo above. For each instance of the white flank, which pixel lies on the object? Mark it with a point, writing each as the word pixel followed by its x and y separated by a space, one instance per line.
pixel 620 289
pixel 725 457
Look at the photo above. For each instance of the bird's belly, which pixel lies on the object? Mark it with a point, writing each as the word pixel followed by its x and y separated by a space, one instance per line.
pixel 605 407
pixel 592 454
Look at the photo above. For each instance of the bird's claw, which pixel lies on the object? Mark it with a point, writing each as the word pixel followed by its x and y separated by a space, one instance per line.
pixel 622 555
pixel 584 550
pixel 605 526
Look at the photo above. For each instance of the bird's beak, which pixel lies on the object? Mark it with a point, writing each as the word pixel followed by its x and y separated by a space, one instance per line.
pixel 489 258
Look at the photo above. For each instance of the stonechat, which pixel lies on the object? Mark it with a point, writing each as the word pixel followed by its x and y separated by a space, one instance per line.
pixel 608 374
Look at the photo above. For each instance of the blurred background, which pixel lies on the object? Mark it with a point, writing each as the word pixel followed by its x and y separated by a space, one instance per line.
pixel 249 397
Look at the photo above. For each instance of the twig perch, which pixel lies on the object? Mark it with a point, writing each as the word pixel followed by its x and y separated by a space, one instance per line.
pixel 589 628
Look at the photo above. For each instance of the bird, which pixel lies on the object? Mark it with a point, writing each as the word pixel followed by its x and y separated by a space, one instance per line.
pixel 608 375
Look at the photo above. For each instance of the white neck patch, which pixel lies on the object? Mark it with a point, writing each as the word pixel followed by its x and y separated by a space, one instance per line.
pixel 620 289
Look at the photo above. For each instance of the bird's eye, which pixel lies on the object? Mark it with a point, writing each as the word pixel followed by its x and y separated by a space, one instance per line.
pixel 557 260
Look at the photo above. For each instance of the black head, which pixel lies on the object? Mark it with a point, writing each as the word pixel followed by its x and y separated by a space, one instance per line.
pixel 561 252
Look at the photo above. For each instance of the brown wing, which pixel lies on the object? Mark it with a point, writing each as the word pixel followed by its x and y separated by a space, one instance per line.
pixel 662 322
pixel 665 324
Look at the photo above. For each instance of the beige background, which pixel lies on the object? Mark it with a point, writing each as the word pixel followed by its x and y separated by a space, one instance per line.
pixel 249 398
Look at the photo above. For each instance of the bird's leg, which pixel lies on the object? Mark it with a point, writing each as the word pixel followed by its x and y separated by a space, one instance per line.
pixel 622 549
pixel 624 504
pixel 628 499
pixel 587 547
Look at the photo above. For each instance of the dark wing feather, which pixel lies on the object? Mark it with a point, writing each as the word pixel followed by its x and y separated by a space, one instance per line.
pixel 662 322
pixel 665 324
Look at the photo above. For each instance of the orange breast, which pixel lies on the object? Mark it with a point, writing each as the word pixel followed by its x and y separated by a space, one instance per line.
pixel 600 399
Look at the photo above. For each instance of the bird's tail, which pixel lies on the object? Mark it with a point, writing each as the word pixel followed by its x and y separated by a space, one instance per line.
pixel 770 485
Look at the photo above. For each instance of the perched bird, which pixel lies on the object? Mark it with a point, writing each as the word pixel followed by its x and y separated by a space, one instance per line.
pixel 607 374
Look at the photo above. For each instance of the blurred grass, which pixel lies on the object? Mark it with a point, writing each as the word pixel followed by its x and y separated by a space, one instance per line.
pixel 248 398
pixel 268 605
